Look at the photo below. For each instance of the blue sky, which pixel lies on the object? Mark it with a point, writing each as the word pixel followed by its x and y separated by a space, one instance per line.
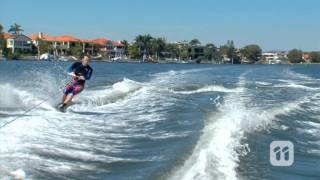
pixel 273 24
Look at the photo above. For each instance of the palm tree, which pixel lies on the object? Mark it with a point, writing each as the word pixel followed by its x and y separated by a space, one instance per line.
pixel 144 42
pixel 1 37
pixel 158 45
pixel 229 51
pixel 1 32
pixel 126 45
pixel 15 29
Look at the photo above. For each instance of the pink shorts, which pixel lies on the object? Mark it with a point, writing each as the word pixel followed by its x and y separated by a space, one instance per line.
pixel 73 87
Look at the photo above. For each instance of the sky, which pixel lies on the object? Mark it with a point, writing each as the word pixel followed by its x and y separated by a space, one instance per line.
pixel 272 24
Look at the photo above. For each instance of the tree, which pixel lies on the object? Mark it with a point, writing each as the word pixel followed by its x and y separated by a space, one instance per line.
pixel 252 52
pixel 295 56
pixel 183 53
pixel 315 57
pixel 126 45
pixel 210 52
pixel 44 47
pixel 147 45
pixel 194 42
pixel 133 51
pixel 1 38
pixel 144 43
pixel 76 50
pixel 192 52
pixel 229 51
pixel 157 45
pixel 15 29
pixel 173 49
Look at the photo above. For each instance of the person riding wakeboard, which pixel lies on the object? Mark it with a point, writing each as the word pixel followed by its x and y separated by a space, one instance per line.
pixel 80 72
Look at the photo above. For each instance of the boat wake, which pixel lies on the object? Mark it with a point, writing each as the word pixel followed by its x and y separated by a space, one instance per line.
pixel 217 152
pixel 109 94
pixel 138 123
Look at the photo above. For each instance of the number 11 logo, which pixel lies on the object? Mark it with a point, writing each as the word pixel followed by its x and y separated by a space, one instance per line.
pixel 281 153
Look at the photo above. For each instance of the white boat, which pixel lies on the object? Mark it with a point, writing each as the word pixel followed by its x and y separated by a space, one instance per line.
pixel 46 56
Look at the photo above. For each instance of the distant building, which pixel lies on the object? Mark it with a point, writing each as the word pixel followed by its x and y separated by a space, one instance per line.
pixel 118 50
pixel 194 51
pixel 182 44
pixel 18 42
pixel 61 44
pixel 273 57
pixel 58 44
pixel 95 46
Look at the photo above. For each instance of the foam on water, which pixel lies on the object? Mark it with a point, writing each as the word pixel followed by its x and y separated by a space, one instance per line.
pixel 111 94
pixel 216 154
pixel 295 84
pixel 15 100
pixel 208 88
pixel 99 127
pixel 49 133
pixel 11 97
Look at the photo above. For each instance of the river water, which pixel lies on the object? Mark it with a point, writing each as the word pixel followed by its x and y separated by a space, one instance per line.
pixel 159 121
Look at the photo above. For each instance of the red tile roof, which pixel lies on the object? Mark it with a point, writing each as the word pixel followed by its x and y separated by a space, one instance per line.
pixel 64 38
pixel 68 38
pixel 100 41
pixel 44 37
pixel 34 36
pixel 7 35
pixel 117 43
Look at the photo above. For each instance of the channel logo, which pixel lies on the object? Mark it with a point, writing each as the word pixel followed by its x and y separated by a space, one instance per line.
pixel 281 153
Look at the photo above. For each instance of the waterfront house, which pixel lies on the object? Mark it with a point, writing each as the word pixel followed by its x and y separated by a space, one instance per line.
pixel 117 49
pixel 95 47
pixel 194 51
pixel 60 45
pixel 272 57
pixel 18 42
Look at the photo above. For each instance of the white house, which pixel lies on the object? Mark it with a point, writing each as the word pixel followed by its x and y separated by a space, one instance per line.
pixel 271 57
pixel 18 41
pixel 117 50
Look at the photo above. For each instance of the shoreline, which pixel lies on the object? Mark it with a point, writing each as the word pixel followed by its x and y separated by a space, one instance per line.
pixel 137 61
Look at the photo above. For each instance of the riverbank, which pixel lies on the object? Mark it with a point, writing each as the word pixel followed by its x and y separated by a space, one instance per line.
pixel 137 61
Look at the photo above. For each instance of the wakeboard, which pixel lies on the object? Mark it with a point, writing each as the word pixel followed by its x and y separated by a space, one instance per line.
pixel 64 109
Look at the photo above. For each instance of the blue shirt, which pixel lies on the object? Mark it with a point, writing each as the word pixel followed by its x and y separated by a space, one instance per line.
pixel 80 70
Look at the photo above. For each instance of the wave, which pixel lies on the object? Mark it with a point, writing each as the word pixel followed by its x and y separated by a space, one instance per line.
pixel 179 72
pixel 293 84
pixel 15 100
pixel 207 88
pixel 116 92
pixel 263 83
pixel 299 76
pixel 10 97
pixel 173 76
pixel 216 154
